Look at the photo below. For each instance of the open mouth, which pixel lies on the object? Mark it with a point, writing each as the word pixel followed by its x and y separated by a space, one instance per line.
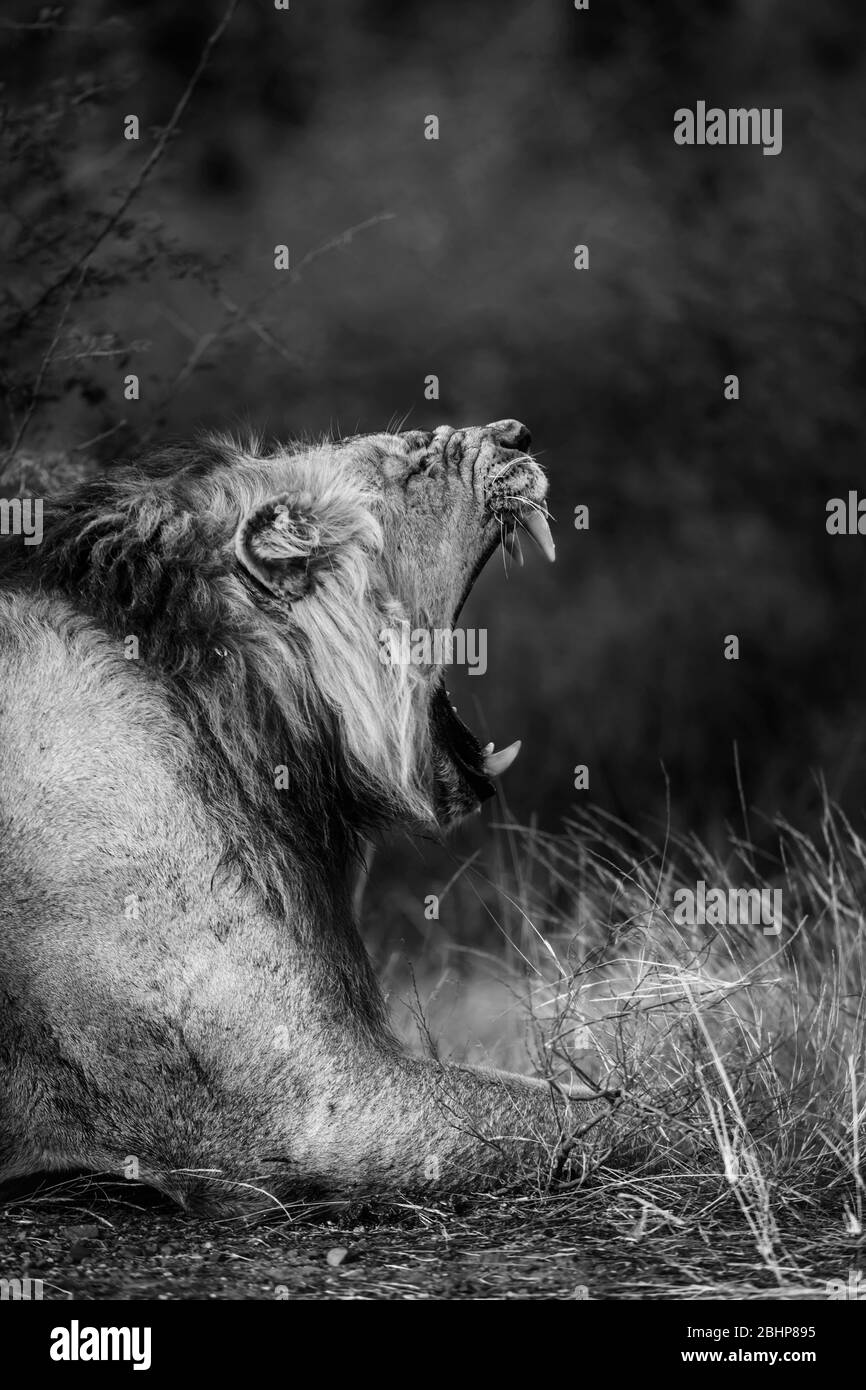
pixel 475 765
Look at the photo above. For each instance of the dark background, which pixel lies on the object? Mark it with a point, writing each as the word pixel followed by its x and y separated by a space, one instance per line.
pixel 556 128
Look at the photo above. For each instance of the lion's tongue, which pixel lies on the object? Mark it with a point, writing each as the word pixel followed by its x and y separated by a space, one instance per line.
pixel 497 763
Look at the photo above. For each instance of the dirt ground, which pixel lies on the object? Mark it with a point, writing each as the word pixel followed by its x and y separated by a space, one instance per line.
pixel 91 1241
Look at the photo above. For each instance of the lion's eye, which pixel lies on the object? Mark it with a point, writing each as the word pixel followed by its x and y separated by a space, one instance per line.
pixel 409 463
pixel 416 439
pixel 422 463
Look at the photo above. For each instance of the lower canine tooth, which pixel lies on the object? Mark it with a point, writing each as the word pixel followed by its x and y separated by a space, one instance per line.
pixel 497 763
pixel 538 528
pixel 488 748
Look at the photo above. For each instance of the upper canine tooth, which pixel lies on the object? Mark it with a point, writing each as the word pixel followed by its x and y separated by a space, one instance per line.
pixel 536 524
pixel 497 763
pixel 488 748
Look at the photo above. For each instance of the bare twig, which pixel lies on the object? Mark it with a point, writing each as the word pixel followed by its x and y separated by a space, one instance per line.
pixel 97 438
pixel 43 368
pixel 140 179
pixel 202 344
pixel 342 239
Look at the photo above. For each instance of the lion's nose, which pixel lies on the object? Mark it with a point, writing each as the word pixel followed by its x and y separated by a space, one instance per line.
pixel 511 434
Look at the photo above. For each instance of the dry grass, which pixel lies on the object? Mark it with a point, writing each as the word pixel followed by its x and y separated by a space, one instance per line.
pixel 735 1156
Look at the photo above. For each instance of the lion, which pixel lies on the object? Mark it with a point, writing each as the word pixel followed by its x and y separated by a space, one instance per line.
pixel 199 735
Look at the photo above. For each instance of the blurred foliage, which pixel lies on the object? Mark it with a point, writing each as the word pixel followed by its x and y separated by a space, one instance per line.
pixel 707 517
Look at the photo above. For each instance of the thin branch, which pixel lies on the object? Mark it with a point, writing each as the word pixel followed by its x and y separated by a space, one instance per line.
pixel 97 438
pixel 234 312
pixel 340 240
pixel 47 26
pixel 343 239
pixel 43 368
pixel 141 178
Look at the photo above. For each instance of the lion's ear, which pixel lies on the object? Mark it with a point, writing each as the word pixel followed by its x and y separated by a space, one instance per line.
pixel 280 543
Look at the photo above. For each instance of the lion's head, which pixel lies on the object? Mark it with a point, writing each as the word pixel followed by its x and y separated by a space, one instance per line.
pixel 258 584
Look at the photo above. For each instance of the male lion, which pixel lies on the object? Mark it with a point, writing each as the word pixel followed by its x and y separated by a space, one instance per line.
pixel 196 734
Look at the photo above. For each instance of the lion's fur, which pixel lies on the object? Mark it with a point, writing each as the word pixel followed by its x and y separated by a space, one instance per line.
pixel 181 981
pixel 147 555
